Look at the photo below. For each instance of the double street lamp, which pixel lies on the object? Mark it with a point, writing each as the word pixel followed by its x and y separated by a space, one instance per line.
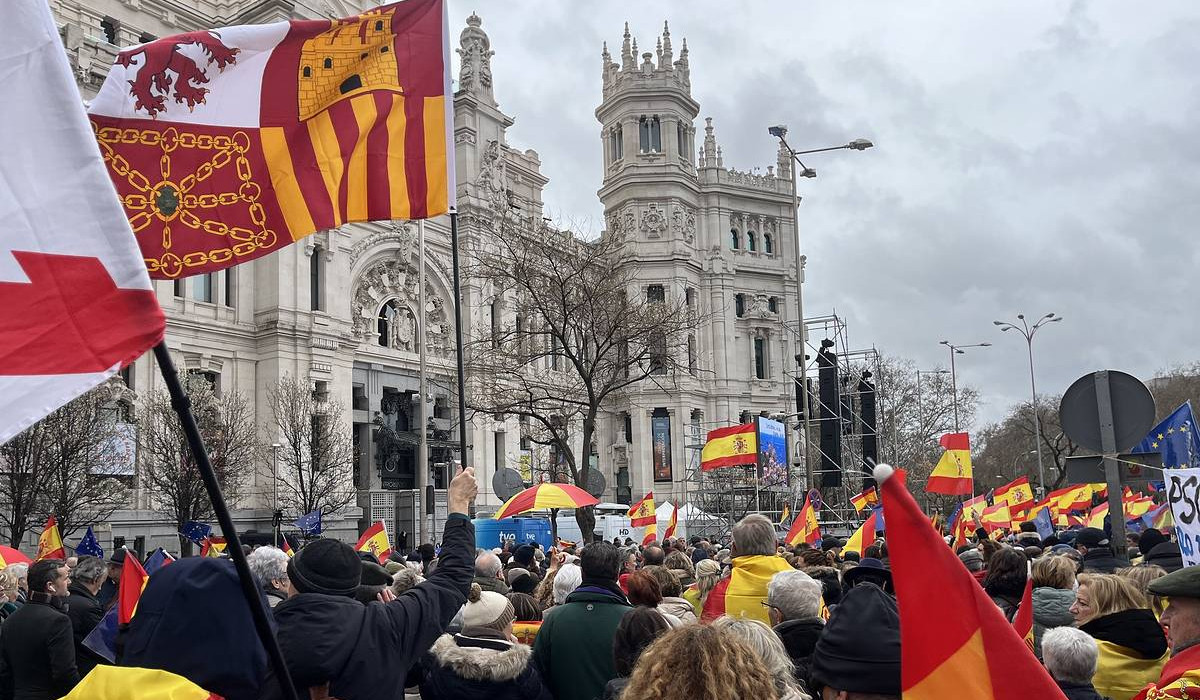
pixel 779 131
pixel 958 350
pixel 1029 331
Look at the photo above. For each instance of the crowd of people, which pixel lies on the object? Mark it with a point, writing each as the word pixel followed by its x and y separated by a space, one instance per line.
pixel 680 619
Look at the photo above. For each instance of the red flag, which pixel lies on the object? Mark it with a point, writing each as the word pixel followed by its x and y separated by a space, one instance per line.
pixel 673 522
pixel 1023 622
pixel 957 643
pixel 804 527
pixel 50 544
pixel 133 582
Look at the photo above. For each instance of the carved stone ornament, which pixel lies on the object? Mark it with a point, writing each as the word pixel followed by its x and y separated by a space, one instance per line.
pixel 475 52
pixel 402 233
pixel 654 221
pixel 760 308
pixel 396 279
pixel 492 181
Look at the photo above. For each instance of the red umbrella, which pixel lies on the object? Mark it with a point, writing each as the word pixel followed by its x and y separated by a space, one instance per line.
pixel 546 496
pixel 8 555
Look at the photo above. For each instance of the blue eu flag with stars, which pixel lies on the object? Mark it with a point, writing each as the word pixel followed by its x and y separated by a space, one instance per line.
pixel 195 531
pixel 309 523
pixel 1176 439
pixel 89 546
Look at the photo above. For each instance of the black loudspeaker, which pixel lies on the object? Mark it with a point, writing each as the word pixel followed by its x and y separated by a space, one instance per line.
pixel 870 438
pixel 830 432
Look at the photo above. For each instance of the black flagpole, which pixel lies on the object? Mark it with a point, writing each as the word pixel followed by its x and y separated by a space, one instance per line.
pixel 458 339
pixel 183 406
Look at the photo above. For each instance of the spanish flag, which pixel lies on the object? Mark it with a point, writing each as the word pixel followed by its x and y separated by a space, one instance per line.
pixel 996 517
pixel 1014 492
pixel 106 682
pixel 804 527
pixel 133 582
pixel 956 644
pixel 287 548
pixel 1071 498
pixel 375 540
pixel 229 143
pixel 730 447
pixel 50 544
pixel 785 513
pixel 864 536
pixel 212 546
pixel 869 497
pixel 1023 622
pixel 952 475
pixel 973 507
pixel 642 514
pixel 674 521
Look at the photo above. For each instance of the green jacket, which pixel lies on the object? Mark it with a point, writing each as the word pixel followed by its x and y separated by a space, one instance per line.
pixel 573 648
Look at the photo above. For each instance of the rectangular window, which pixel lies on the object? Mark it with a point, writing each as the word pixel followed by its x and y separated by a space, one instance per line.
pixel 498 444
pixel 658 353
pixel 655 293
pixel 655 135
pixel 230 273
pixel 554 352
pixel 760 358
pixel 110 27
pixel 628 427
pixel 495 309
pixel 202 287
pixel 739 305
pixel 681 132
pixel 178 288
pixel 316 281
pixel 691 358
pixel 644 135
pixel 127 376
pixel 526 443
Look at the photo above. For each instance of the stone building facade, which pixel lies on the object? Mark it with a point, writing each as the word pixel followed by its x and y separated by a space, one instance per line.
pixel 338 309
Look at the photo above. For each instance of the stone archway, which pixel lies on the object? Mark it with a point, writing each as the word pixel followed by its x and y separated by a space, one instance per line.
pixel 396 280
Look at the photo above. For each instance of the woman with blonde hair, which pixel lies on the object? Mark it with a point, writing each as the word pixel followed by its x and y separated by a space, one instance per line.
pixel 1053 595
pixel 1132 646
pixel 700 662
pixel 1141 576
pixel 770 649
pixel 708 574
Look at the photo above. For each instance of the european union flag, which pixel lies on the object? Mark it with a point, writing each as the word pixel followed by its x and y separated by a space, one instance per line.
pixel 89 546
pixel 1175 438
pixel 1043 523
pixel 195 531
pixel 158 560
pixel 309 523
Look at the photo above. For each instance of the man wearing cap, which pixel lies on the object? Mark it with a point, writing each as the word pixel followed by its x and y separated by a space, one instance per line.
pixel 337 647
pixel 1098 556
pixel 108 591
pixel 858 655
pixel 1181 676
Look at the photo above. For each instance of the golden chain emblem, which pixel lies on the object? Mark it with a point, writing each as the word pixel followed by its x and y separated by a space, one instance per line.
pixel 169 200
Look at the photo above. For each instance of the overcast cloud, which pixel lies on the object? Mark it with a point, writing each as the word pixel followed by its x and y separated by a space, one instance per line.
pixel 1031 156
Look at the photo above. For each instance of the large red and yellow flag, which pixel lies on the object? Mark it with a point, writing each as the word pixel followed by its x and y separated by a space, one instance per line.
pixel 730 447
pixel 50 544
pixel 996 517
pixel 1014 493
pixel 804 527
pixel 375 540
pixel 673 523
pixel 952 475
pixel 864 536
pixel 1071 498
pixel 957 643
pixel 643 514
pixel 868 498
pixel 133 582
pixel 228 144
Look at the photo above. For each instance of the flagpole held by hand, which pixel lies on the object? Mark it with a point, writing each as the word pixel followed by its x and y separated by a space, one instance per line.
pixel 183 407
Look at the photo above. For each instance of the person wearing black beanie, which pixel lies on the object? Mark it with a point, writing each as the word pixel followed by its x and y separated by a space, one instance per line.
pixel 325 566
pixel 1157 549
pixel 859 650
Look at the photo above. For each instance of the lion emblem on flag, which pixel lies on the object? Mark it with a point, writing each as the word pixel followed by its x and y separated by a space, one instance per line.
pixel 164 71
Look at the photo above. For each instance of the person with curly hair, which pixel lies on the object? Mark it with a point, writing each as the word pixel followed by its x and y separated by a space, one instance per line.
pixel 700 662
pixel 681 565
pixel 763 640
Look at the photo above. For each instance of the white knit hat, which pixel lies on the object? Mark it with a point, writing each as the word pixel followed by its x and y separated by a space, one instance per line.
pixel 487 609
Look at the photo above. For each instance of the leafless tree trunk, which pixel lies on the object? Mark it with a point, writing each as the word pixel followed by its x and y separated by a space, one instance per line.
pixel 570 330
pixel 316 455
pixel 226 424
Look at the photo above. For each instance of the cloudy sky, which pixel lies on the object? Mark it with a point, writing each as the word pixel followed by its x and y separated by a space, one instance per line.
pixel 1031 156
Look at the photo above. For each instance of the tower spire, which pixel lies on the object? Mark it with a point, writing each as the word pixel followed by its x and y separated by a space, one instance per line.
pixel 626 51
pixel 668 56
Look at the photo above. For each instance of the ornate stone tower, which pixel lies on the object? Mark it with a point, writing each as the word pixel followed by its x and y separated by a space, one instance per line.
pixel 714 237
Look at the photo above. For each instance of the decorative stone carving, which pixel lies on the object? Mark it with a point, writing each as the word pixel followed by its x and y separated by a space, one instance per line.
pixel 683 223
pixel 475 73
pixel 654 221
pixel 689 226
pixel 760 308
pixel 492 180
pixel 402 233
pixel 464 137
pixel 396 278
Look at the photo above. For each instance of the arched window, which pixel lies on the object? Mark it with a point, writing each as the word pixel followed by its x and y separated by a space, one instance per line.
pixel 316 280
pixel 329 63
pixel 773 305
pixel 735 241
pixel 768 244
pixel 649 135
pixel 389 316
pixel 751 242
pixel 739 305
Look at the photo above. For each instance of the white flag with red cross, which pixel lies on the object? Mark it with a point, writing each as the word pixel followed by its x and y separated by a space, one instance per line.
pixel 75 299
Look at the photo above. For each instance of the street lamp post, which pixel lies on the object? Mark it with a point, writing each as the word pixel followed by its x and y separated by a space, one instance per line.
pixel 779 131
pixel 1029 331
pixel 958 350
pixel 275 492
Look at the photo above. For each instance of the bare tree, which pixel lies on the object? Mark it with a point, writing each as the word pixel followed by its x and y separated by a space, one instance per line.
pixel 169 472
pixel 570 329
pixel 1009 451
pixel 316 454
pixel 58 466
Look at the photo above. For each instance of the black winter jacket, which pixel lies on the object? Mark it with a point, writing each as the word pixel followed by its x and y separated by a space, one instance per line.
pixel 1166 555
pixel 1076 691
pixel 85 612
pixel 37 652
pixel 479 665
pixel 1102 561
pixel 363 652
pixel 800 639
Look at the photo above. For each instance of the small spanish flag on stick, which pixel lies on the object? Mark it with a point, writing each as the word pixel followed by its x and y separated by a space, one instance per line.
pixel 642 514
pixel 287 548
pixel 375 540
pixel 952 475
pixel 868 498
pixel 804 528
pixel 673 522
pixel 50 544
pixel 956 644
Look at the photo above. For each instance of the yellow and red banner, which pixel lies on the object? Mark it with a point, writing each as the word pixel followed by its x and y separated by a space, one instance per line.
pixel 1023 621
pixel 864 536
pixel 642 513
pixel 50 544
pixel 375 540
pixel 1014 493
pixel 804 527
pixel 228 144
pixel 952 475
pixel 546 495
pixel 868 498
pixel 673 522
pixel 734 446
pixel 212 546
pixel 133 581
pixel 956 644
pixel 996 517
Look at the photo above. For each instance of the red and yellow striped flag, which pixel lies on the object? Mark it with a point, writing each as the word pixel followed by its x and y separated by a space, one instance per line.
pixel 804 527
pixel 50 544
pixel 642 514
pixel 1014 493
pixel 133 581
pixel 952 475
pixel 996 517
pixel 864 536
pixel 228 144
pixel 730 447
pixel 866 499
pixel 956 644
pixel 673 522
pixel 375 540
